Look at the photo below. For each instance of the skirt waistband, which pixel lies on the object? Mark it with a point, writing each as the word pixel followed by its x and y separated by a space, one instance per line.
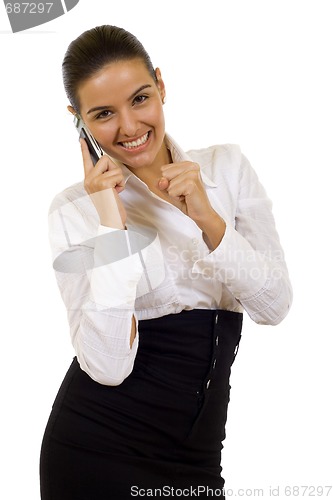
pixel 190 349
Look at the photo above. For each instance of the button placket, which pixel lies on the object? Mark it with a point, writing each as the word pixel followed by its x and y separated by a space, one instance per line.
pixel 210 376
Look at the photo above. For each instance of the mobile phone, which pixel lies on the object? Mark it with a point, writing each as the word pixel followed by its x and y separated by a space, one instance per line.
pixel 94 148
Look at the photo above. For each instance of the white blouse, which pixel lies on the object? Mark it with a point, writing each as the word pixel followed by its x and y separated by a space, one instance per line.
pixel 161 264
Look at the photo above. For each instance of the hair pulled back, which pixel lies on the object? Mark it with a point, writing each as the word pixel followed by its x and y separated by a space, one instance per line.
pixel 94 49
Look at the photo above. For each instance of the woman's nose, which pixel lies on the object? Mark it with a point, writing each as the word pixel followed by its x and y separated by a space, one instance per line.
pixel 128 125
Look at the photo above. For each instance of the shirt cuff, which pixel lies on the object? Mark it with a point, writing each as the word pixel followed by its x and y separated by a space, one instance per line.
pixel 235 263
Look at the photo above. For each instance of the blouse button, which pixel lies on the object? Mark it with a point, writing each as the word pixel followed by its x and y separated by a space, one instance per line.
pixel 214 364
pixel 216 319
pixel 217 341
pixel 208 383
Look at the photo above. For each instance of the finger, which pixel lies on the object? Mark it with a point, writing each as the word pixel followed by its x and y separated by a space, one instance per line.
pixel 87 161
pixel 107 180
pixel 184 185
pixel 115 179
pixel 114 162
pixel 105 164
pixel 184 179
pixel 163 184
pixel 172 170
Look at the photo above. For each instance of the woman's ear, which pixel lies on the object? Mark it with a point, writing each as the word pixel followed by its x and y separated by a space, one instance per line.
pixel 160 84
pixel 71 110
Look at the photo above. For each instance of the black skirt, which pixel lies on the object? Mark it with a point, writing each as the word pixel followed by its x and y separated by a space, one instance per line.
pixel 160 432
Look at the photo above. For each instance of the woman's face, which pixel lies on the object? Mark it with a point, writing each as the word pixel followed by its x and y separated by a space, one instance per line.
pixel 122 106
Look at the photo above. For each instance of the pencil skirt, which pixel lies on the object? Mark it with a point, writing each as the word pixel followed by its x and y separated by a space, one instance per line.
pixel 158 433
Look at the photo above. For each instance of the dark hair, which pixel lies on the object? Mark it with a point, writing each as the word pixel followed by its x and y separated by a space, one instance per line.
pixel 95 48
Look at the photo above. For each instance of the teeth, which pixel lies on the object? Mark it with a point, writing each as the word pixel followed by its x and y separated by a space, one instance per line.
pixel 136 143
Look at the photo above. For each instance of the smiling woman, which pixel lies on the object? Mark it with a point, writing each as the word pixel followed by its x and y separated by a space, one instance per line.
pixel 157 253
pixel 122 104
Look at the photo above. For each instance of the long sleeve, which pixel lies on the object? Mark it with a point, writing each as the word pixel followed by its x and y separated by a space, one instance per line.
pixel 250 260
pixel 97 277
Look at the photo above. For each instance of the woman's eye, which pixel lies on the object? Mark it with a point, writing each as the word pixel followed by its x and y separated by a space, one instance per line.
pixel 104 114
pixel 139 99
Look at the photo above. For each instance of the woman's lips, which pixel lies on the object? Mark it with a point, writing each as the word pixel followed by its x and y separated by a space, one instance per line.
pixel 137 144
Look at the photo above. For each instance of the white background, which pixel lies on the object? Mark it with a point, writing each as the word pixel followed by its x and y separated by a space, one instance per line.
pixel 253 72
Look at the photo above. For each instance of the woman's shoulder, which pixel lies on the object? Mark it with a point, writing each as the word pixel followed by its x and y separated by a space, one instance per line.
pixel 219 160
pixel 72 212
pixel 229 155
pixel 72 195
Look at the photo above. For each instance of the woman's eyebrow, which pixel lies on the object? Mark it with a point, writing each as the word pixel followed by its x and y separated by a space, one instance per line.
pixel 102 108
pixel 140 89
pixel 98 108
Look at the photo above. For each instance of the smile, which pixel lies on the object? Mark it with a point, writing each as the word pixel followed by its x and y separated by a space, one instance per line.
pixel 134 144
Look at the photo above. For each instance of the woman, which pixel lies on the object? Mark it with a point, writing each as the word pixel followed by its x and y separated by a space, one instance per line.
pixel 156 254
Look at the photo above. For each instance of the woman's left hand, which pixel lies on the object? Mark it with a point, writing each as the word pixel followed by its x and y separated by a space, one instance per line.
pixel 182 181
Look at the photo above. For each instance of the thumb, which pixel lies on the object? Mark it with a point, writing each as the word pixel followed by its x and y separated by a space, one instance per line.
pixel 163 183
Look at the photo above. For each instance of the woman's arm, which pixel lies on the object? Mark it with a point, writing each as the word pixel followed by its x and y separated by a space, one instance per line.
pixel 97 274
pixel 249 259
pixel 246 254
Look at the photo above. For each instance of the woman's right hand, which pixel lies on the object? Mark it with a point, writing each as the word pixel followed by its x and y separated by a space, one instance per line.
pixel 103 182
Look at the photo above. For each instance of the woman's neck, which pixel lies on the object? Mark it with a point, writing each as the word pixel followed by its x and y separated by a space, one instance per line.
pixel 151 174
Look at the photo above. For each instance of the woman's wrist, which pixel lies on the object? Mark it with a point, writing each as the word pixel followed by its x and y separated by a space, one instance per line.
pixel 109 208
pixel 213 228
